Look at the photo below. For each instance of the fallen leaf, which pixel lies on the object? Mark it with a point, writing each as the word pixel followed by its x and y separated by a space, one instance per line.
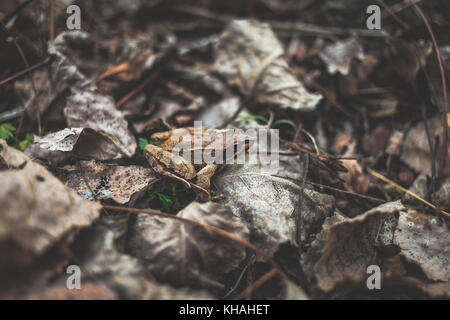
pixel 118 183
pixel 352 245
pixel 84 143
pixel 425 240
pixel 92 109
pixel 184 254
pixel 338 56
pixel 416 150
pixel 266 197
pixel 250 56
pixel 37 209
pixel 101 252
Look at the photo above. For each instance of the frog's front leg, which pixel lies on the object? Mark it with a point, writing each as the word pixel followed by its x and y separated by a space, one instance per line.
pixel 204 176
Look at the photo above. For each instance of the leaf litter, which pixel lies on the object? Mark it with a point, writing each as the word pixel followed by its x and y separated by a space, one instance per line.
pixel 349 106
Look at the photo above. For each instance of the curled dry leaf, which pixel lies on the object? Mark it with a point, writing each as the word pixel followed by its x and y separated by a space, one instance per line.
pixel 345 247
pixel 74 58
pixel 266 198
pixel 338 56
pixel 185 254
pixel 92 109
pixel 355 179
pixel 118 183
pixel 98 252
pixel 218 114
pixel 353 244
pixel 425 240
pixel 416 150
pixel 37 209
pixel 84 143
pixel 250 56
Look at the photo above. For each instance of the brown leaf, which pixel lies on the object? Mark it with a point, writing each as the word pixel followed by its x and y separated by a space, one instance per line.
pixel 425 240
pixel 185 254
pixel 338 56
pixel 118 183
pixel 92 109
pixel 416 150
pixel 266 198
pixel 37 209
pixel 98 252
pixel 352 245
pixel 250 56
pixel 84 143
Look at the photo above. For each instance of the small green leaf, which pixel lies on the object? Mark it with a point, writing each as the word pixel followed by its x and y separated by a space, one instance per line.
pixel 143 143
pixel 253 117
pixel 6 131
pixel 29 138
pixel 165 199
pixel 283 121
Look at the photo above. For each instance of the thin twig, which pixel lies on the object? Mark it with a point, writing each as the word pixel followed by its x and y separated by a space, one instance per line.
pixel 22 6
pixel 444 146
pixel 396 18
pixel 387 180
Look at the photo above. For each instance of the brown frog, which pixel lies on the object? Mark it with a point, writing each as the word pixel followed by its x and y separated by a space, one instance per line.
pixel 175 166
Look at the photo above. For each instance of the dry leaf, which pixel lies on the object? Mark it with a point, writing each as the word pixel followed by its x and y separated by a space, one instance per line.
pixel 338 56
pixel 118 183
pixel 416 150
pixel 94 110
pixel 37 209
pixel 98 252
pixel 352 245
pixel 185 254
pixel 266 198
pixel 84 143
pixel 425 240
pixel 250 56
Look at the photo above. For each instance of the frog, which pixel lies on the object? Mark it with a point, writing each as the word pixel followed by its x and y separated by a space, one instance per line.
pixel 166 163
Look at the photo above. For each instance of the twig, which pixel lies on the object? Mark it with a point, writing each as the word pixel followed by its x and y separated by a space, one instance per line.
pixel 163 62
pixel 16 11
pixel 258 283
pixel 52 20
pixel 396 18
pixel 381 177
pixel 347 192
pixel 444 146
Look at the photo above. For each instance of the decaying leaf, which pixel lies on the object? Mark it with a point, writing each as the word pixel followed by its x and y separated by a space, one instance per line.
pixel 185 254
pixel 250 56
pixel 84 143
pixel 220 113
pixel 118 183
pixel 100 252
pixel 353 244
pixel 92 109
pixel 73 63
pixel 37 209
pixel 338 56
pixel 425 241
pixel 345 247
pixel 416 150
pixel 266 198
